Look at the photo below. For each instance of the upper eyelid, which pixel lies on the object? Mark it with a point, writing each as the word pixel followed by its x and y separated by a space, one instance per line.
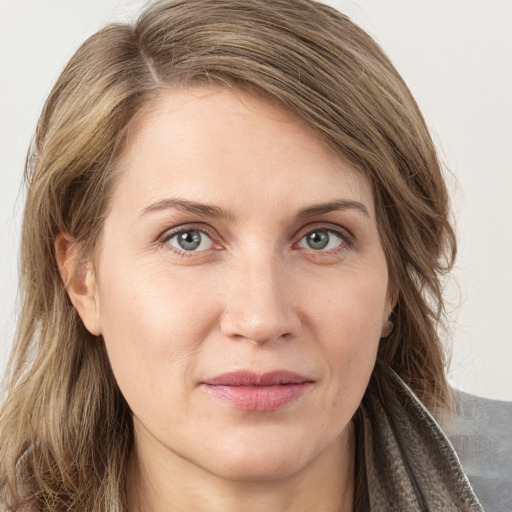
pixel 329 226
pixel 171 232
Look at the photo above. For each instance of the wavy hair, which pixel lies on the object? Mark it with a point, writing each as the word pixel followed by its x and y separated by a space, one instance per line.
pixel 65 429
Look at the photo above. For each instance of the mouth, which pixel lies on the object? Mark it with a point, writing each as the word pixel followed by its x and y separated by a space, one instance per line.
pixel 258 392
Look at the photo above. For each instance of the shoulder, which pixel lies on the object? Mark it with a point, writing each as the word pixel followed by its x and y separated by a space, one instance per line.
pixel 480 430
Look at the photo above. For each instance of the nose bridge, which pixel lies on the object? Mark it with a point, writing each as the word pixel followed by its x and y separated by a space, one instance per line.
pixel 259 306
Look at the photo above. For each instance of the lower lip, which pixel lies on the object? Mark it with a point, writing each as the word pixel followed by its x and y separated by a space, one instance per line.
pixel 258 398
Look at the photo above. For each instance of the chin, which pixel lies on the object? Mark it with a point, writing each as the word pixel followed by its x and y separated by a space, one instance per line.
pixel 257 470
pixel 258 463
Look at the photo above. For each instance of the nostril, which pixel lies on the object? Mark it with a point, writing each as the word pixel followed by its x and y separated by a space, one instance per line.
pixel 259 331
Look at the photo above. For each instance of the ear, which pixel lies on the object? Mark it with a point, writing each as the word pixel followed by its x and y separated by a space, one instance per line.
pixel 392 299
pixel 79 280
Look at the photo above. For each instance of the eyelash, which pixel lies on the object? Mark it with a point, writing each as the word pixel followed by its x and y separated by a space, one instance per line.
pixel 168 235
pixel 347 239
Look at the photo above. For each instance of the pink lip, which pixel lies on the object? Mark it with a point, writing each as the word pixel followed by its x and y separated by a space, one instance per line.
pixel 258 392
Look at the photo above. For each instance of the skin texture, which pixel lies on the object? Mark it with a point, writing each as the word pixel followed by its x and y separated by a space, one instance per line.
pixel 253 296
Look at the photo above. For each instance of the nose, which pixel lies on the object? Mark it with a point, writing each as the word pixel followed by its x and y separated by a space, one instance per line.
pixel 259 302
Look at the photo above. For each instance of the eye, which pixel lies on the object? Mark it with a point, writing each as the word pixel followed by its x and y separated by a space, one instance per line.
pixel 190 240
pixel 321 240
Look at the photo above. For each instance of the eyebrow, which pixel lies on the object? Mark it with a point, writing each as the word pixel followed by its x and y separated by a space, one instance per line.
pixel 332 206
pixel 193 207
pixel 205 210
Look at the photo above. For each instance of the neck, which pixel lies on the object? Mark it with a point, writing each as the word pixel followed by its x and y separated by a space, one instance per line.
pixel 158 482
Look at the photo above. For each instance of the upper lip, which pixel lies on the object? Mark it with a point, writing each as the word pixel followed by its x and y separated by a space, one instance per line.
pixel 249 378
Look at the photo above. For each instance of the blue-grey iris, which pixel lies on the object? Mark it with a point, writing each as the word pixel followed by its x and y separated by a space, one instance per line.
pixel 317 239
pixel 189 240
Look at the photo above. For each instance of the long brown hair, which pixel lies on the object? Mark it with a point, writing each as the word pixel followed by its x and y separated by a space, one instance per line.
pixel 65 429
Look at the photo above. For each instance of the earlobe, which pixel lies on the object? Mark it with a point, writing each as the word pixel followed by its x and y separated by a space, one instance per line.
pixel 79 280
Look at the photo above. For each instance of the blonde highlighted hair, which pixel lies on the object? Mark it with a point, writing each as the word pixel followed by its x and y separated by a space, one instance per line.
pixel 65 429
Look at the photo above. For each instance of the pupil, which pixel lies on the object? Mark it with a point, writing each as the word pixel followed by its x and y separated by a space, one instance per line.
pixel 189 240
pixel 318 239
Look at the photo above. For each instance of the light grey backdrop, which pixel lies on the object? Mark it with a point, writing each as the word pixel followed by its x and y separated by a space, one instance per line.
pixel 456 56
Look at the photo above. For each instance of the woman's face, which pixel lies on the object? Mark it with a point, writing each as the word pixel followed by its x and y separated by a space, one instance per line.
pixel 240 286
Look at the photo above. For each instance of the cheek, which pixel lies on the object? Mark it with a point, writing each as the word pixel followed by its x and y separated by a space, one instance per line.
pixel 348 319
pixel 350 307
pixel 152 328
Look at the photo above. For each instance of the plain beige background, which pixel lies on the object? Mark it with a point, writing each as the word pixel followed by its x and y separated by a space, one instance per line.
pixel 456 56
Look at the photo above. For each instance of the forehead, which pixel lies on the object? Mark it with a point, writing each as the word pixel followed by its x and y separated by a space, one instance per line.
pixel 228 146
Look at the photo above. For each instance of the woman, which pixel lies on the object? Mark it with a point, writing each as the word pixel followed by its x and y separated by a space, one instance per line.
pixel 232 247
